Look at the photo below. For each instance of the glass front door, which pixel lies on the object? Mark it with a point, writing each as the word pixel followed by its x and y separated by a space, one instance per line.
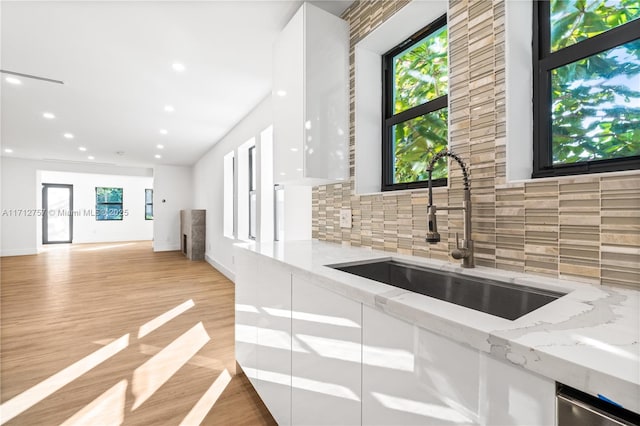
pixel 57 218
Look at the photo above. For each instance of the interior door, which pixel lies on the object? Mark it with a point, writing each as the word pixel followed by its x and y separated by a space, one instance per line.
pixel 57 217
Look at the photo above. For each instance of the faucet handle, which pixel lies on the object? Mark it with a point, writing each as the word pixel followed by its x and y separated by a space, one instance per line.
pixel 463 252
pixel 459 252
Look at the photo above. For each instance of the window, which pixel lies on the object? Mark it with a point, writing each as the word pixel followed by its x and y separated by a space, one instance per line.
pixel 244 184
pixel 229 195
pixel 586 60
pixel 148 204
pixel 266 185
pixel 109 203
pixel 252 193
pixel 415 113
pixel 279 213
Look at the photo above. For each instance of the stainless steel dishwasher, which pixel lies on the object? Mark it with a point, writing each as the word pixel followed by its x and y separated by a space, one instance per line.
pixel 576 408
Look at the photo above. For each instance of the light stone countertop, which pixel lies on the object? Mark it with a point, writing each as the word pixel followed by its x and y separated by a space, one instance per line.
pixel 587 339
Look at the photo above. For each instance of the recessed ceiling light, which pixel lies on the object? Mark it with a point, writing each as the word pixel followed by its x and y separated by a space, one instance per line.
pixel 160 146
pixel 178 67
pixel 281 93
pixel 169 108
pixel 8 150
pixel 13 80
pixel 163 131
pixel 68 135
pixel 82 148
pixel 48 115
pixel 91 157
pixel 158 156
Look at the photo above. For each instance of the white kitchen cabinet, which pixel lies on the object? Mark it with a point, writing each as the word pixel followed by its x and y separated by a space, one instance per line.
pixel 413 376
pixel 311 99
pixel 247 311
pixel 515 396
pixel 326 376
pixel 317 357
pixel 274 340
pixel 263 329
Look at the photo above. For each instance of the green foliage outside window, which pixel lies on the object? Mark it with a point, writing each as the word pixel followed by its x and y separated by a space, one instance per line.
pixel 576 20
pixel 595 101
pixel 420 76
pixel 109 203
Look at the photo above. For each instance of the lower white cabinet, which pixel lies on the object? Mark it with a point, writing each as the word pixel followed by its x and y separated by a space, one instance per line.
pixel 318 358
pixel 411 376
pixel 247 312
pixel 326 357
pixel 263 330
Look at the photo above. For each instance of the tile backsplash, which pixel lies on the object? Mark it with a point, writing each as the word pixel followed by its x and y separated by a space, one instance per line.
pixel 585 228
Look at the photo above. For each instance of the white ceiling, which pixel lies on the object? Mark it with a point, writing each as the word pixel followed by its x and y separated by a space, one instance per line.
pixel 115 58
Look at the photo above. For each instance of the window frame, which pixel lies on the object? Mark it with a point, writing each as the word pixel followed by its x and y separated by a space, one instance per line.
pixel 252 160
pixel 148 204
pixel 544 61
pixel 389 119
pixel 121 204
pixel 278 213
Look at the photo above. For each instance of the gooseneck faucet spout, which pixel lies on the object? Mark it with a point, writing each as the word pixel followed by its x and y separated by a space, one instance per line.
pixel 464 248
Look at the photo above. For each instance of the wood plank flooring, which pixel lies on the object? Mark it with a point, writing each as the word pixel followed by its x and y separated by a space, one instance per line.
pixel 114 333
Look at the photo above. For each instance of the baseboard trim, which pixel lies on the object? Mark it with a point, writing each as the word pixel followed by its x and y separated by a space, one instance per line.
pixel 220 267
pixel 166 247
pixel 18 252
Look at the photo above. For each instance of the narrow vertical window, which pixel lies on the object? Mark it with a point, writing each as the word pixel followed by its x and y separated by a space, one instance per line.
pixel 252 193
pixel 148 204
pixel 415 113
pixel 279 212
pixel 228 196
pixel 266 186
pixel 586 61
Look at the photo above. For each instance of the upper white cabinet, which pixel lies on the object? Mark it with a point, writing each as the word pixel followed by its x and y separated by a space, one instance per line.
pixel 311 99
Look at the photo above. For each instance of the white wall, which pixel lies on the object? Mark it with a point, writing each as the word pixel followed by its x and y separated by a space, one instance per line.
pixel 18 193
pixel 172 193
pixel 86 229
pixel 208 184
pixel 21 192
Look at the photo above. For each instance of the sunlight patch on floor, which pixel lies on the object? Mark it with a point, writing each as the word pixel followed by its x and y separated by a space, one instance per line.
pixel 105 410
pixel 196 360
pixel 103 247
pixel 148 378
pixel 37 393
pixel 207 401
pixel 161 320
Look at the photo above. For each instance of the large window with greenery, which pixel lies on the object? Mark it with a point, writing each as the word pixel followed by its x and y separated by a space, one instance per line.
pixel 415 113
pixel 586 86
pixel 109 203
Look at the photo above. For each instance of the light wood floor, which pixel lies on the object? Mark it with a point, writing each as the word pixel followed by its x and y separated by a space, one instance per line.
pixel 80 344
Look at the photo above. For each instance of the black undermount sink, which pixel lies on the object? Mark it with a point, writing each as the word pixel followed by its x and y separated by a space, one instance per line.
pixel 493 297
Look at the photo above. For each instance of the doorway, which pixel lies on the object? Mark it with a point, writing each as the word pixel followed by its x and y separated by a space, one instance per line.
pixel 57 214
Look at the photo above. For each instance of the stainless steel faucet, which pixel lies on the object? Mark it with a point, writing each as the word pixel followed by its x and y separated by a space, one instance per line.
pixel 464 248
